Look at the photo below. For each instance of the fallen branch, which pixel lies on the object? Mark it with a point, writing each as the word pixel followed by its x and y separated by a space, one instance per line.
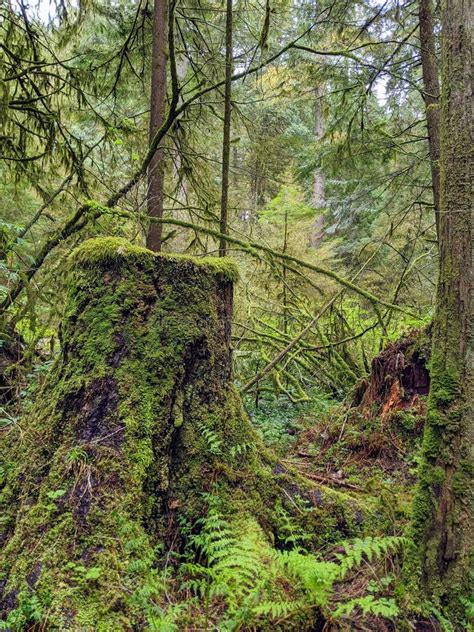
pixel 252 248
pixel 332 479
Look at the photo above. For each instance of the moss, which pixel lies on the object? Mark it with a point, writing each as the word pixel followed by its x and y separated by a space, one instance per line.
pixel 437 568
pixel 107 251
pixel 138 422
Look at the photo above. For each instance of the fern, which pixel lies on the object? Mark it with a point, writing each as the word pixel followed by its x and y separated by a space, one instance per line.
pixel 159 620
pixel 279 609
pixel 234 568
pixel 368 605
pixel 212 439
pixel 240 580
pixel 370 548
pixel 289 532
pixel 240 449
pixel 319 577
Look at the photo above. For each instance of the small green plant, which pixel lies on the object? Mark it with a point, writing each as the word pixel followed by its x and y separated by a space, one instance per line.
pixel 317 577
pixel 30 610
pixel 55 494
pixel 212 439
pixel 83 574
pixel 368 605
pixel 77 454
pixel 230 569
pixel 289 533
pixel 6 419
pixel 370 548
pixel 240 449
pixel 239 579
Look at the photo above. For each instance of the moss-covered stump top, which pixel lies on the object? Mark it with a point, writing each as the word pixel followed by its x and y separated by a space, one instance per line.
pixel 137 424
pixel 110 251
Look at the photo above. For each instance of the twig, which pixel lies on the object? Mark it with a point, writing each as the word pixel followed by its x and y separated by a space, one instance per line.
pixel 330 479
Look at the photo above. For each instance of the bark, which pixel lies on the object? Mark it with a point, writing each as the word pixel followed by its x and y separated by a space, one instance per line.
pixel 156 173
pixel 227 123
pixel 398 377
pixel 429 64
pixel 12 351
pixel 443 506
pixel 138 422
pixel 319 179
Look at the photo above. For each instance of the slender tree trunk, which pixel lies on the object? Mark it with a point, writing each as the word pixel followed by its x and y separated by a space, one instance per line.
pixel 443 506
pixel 156 173
pixel 431 95
pixel 319 180
pixel 285 275
pixel 226 137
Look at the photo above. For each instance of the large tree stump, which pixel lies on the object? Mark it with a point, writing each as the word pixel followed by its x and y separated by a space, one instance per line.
pixel 137 422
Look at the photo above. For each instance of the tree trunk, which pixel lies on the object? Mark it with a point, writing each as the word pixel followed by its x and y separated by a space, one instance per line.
pixel 319 179
pixel 443 506
pixel 139 421
pixel 156 172
pixel 226 135
pixel 429 66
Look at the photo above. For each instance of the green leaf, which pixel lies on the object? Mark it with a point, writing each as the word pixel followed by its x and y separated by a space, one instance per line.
pixel 54 495
pixel 93 573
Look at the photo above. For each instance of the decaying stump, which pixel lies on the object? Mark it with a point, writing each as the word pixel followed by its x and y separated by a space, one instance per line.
pixel 11 352
pixel 137 423
pixel 398 377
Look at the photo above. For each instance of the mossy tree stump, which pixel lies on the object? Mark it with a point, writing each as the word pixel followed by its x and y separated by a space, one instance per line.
pixel 137 422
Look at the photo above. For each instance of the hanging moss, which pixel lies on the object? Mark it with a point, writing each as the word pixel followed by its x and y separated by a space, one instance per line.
pixel 137 423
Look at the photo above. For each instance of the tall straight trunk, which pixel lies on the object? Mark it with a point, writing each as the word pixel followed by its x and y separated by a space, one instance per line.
pixel 156 174
pixel 226 135
pixel 443 505
pixel 285 275
pixel 319 180
pixel 319 183
pixel 430 94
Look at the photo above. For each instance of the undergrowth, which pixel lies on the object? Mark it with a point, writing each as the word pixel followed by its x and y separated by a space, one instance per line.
pixel 278 420
pixel 231 578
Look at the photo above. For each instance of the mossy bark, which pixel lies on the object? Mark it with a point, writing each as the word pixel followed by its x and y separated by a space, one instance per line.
pixel 139 421
pixel 443 506
pixel 430 93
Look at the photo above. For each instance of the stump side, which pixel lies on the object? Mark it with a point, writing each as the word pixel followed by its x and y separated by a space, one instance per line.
pixel 138 421
pixel 110 452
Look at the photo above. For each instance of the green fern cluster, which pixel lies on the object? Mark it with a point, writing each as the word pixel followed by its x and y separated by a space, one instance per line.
pixel 238 581
pixel 241 449
pixel 232 569
pixel 318 577
pixel 369 548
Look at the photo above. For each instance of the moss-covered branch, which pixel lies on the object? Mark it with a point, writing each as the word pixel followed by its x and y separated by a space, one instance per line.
pixel 253 247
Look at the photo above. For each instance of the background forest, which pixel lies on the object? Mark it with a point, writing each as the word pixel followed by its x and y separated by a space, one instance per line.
pixel 328 163
pixel 301 139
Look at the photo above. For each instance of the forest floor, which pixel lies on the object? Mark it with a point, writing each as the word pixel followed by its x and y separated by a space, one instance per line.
pixel 362 456
pixel 368 449
pixel 368 445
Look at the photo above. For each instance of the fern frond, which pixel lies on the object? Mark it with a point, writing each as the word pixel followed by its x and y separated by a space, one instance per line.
pixel 368 605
